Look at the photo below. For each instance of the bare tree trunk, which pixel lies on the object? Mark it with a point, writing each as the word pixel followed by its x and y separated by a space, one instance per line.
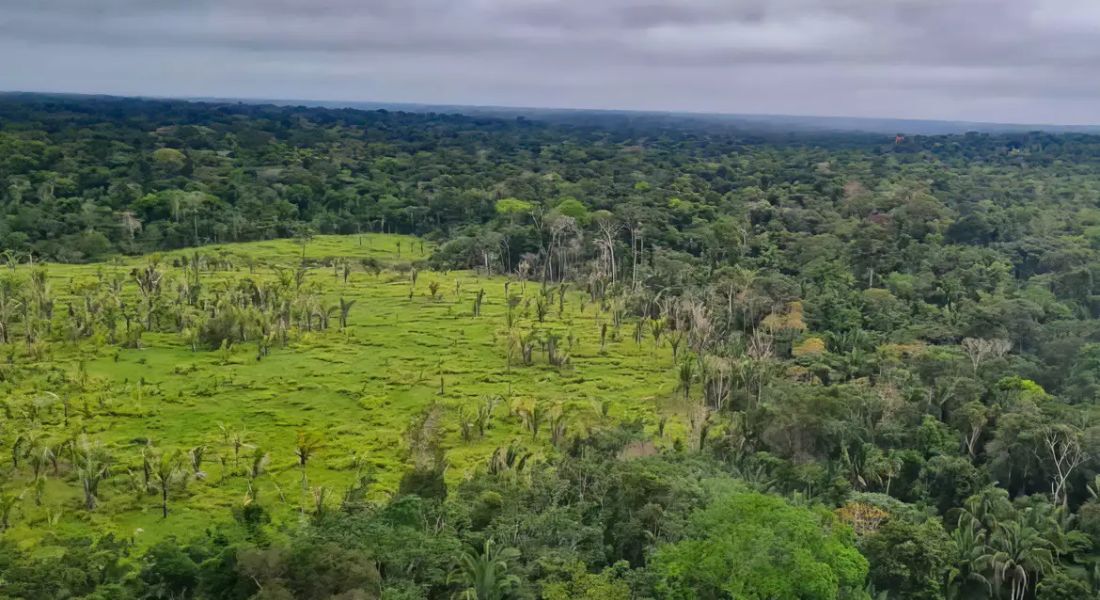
pixel 634 260
pixel 611 254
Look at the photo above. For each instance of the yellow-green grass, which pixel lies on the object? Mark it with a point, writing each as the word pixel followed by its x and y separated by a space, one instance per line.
pixel 359 389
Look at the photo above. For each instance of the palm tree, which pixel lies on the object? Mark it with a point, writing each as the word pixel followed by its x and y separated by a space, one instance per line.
pixel 41 455
pixel 257 467
pixel 9 306
pixel 11 258
pixel 304 236
pixel 1054 524
pixel 478 301
pixel 345 308
pixel 92 467
pixel 197 454
pixel 687 376
pixel 19 446
pixel 39 487
pixel 149 281
pixel 167 471
pixel 147 460
pixel 884 469
pixel 8 503
pixel 1016 556
pixel 40 292
pixel 484 418
pixel 304 448
pixel 533 418
pixel 485 574
pixel 968 548
pixel 986 509
pixel 236 440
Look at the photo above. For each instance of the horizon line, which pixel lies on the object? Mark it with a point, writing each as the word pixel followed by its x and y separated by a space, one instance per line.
pixel 531 108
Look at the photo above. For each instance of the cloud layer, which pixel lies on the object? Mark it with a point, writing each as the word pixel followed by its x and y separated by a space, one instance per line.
pixel 1002 60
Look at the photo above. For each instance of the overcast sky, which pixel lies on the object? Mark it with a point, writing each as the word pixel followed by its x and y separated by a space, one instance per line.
pixel 1033 61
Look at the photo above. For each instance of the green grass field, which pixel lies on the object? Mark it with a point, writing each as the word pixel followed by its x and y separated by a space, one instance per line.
pixel 359 389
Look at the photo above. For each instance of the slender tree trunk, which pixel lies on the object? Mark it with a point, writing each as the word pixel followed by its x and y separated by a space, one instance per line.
pixel 611 255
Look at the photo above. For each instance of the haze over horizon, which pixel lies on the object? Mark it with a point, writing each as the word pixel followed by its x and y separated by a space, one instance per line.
pixel 1028 61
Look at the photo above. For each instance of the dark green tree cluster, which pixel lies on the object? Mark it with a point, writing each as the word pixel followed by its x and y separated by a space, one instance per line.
pixel 607 518
pixel 603 521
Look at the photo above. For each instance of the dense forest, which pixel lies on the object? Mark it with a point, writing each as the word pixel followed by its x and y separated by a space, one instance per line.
pixel 887 349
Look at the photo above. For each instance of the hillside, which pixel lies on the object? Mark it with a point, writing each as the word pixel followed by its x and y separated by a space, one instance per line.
pixel 410 343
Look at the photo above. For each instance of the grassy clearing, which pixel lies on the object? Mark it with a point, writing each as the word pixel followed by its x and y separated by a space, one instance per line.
pixel 359 389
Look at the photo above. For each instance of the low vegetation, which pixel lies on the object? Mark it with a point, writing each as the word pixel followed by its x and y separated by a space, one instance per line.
pixel 141 394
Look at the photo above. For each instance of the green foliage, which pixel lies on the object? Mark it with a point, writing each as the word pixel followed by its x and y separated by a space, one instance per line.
pixel 644 310
pixel 168 571
pixel 426 482
pixel 199 377
pixel 513 207
pixel 748 545
pixel 484 572
pixel 910 560
pixel 608 584
pixel 169 158
pixel 1061 585
pixel 573 208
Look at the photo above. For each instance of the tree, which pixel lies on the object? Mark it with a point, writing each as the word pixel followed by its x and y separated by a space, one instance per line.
pixel 908 559
pixel 256 468
pixel 486 574
pixel 345 309
pixel 168 471
pixel 306 445
pixel 971 420
pixel 149 281
pixel 1015 558
pixel 979 349
pixel 965 575
pixel 749 545
pixel 10 304
pixel 92 467
pixel 1062 448
pixel 686 374
pixel 513 208
pixel 947 480
pixel 131 224
pixel 169 571
pixel 169 158
pixel 304 235
pixel 582 585
pixel 609 228
pixel 1061 585
pixel 8 503
pixel 324 570
pixel 561 228
pixel 309 570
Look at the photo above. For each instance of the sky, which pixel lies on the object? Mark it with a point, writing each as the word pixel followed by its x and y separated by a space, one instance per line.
pixel 1014 61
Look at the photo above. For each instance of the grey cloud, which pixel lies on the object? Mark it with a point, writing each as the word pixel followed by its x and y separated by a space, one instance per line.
pixel 1021 60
